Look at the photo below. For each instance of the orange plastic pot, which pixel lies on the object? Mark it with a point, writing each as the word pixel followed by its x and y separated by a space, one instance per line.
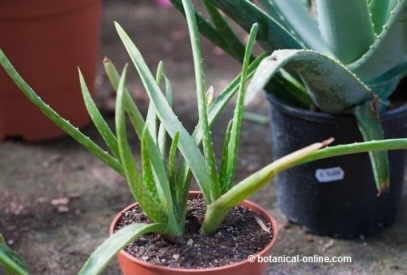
pixel 132 266
pixel 47 40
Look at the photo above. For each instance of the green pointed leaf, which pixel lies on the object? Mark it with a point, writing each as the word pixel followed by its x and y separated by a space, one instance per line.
pixel 201 98
pixel 151 119
pixel 126 155
pixel 102 256
pixel 177 187
pixel 217 210
pixel 389 48
pixel 135 115
pixel 282 88
pixel 134 178
pixel 234 139
pixel 369 124
pixel 356 148
pixel 331 85
pixel 218 104
pixel 221 101
pixel 163 187
pixel 224 160
pixel 97 118
pixel 65 125
pixel 231 40
pixel 211 33
pixel 271 10
pixel 162 133
pixel 170 121
pixel 272 35
pixel 299 20
pixel 386 84
pixel 347 29
pixel 380 12
pixel 150 201
pixel 172 158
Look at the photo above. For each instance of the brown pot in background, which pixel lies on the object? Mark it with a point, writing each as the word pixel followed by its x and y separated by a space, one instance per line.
pixel 132 266
pixel 46 40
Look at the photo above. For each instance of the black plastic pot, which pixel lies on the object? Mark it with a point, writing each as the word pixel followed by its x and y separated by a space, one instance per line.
pixel 335 197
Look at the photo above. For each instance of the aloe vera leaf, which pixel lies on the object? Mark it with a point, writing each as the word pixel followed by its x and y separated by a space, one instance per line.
pixel 134 178
pixel 271 9
pixel 138 124
pixel 217 210
pixel 300 21
pixel 272 35
pixel 387 83
pixel 102 256
pixel 170 121
pixel 162 133
pixel 369 124
pixel 65 125
pixel 176 185
pixel 380 11
pixel 150 201
pixel 233 42
pixel 332 86
pixel 212 33
pixel 224 160
pixel 347 29
pixel 207 142
pixel 281 87
pixel 388 49
pixel 97 118
pixel 151 119
pixel 126 156
pixel 234 139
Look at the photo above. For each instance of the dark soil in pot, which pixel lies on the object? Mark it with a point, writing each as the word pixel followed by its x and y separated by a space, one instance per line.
pixel 243 233
pixel 335 197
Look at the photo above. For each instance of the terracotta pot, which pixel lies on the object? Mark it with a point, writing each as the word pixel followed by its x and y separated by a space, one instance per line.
pixel 47 40
pixel 133 266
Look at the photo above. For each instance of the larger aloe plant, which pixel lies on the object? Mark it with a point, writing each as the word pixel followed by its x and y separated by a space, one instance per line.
pixel 349 57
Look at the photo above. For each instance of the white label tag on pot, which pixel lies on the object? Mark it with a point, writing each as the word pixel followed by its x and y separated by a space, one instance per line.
pixel 330 174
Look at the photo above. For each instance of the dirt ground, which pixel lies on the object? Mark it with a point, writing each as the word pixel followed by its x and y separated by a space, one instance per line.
pixel 57 200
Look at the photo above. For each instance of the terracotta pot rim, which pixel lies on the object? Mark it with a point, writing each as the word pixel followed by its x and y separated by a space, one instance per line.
pixel 253 206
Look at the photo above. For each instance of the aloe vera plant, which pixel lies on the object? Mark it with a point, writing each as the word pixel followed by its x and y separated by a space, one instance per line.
pixel 10 261
pixel 350 57
pixel 161 185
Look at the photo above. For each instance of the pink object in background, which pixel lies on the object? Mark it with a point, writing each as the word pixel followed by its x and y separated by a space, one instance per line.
pixel 164 3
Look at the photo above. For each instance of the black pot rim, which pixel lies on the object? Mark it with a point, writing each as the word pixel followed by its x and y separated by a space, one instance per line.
pixel 323 116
